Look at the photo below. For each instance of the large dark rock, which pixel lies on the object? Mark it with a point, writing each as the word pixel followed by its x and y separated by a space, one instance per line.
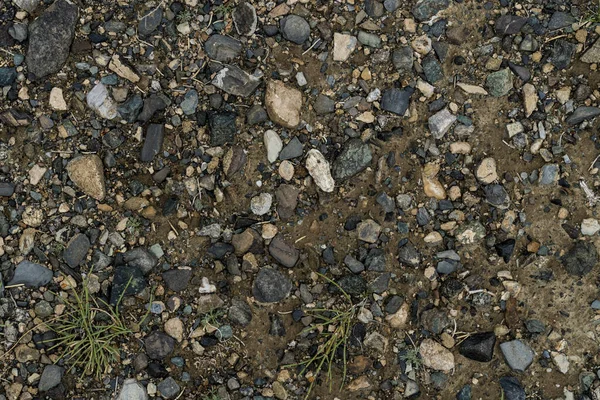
pixel 580 259
pixel 50 37
pixel 426 9
pixel 153 142
pixel 222 48
pixel 222 128
pixel 583 114
pixel 159 345
pixel 31 275
pixel 396 100
pixel 295 29
pixel 286 254
pixel 509 24
pixel 76 250
pixel 354 158
pixel 512 388
pixel 479 347
pixel 127 281
pixel 271 286
pixel 150 21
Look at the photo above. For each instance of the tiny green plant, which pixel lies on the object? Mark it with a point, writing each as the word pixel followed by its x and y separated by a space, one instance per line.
pixel 222 9
pixel 211 319
pixel 411 356
pixel 333 327
pixel 87 332
pixel 133 224
pixel 212 395
pixel 184 16
pixel 594 13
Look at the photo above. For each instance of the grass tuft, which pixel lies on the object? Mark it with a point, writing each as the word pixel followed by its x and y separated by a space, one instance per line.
pixel 594 13
pixel 333 327
pixel 87 332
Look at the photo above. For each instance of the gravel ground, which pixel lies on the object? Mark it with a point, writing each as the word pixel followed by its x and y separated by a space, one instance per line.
pixel 404 189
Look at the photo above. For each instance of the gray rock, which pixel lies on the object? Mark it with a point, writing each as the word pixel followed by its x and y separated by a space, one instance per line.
pixel 115 26
pixel 353 264
pixel 435 320
pixel 324 105
pixel 27 5
pixel 240 313
pixel 432 69
pixel 562 53
pixel 256 114
pixel 500 82
pixel 396 100
pixel 582 114
pixel 127 281
pixel 373 8
pixel 580 259
pixel 354 285
pixel 440 123
pixel 593 54
pixel 177 279
pixel 509 24
pixel 131 108
pixel 409 255
pixel 368 231
pixel 403 59
pixel 50 37
pixel 293 149
pixel 140 258
pixel 50 378
pixel 271 286
pixel 517 354
pixel 7 76
pixel 222 48
pixel 158 345
pixel 76 250
pixel 6 189
pixel 190 102
pixel 168 388
pixel 153 142
pixel 512 388
pixel 285 254
pixel 132 390
pixel 152 104
pixel 369 39
pixel 479 347
pixel 295 29
pixel 549 174
pixel 426 9
pixel 244 19
pixel 354 158
pixel 392 5
pixel 287 199
pixel 222 128
pixel 235 81
pixel 386 202
pixel 31 275
pixel 18 32
pixel 100 261
pixel 497 196
pixel 150 21
pixel 560 20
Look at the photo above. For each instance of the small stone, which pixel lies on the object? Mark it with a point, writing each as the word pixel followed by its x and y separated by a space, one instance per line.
pixel 549 174
pixel 271 286
pixel 120 68
pixel 132 390
pixel 283 104
pixel 354 158
pixel 174 328
pixel 440 123
pixel 590 226
pixel 580 259
pixel 422 44
pixel 512 389
pixel 153 142
pixel 500 83
pixel 150 22
pixel 158 345
pixel 168 388
pixel 368 231
pixel 479 347
pixel 99 100
pixel 324 105
pixel 486 171
pixel 582 114
pixel 285 254
pixel 141 258
pixel 295 29
pixel 293 149
pixel 286 171
pixel 76 250
pixel 517 354
pixel 509 24
pixel 7 76
pixel 223 128
pixel 244 19
pixel 396 100
pixel 177 279
pixel 190 102
pixel 431 184
pixel 436 356
pixel 261 204
pixel 273 145
pixel 87 173
pixel 529 99
pixel 343 46
pixel 51 377
pixel 236 81
pixel 425 9
pixel 240 313
pixel 472 89
pixel 222 48
pixel 318 168
pixel 47 53
pixel 57 101
pixel 402 58
pixel 369 39
pixel 592 56
pixel 31 275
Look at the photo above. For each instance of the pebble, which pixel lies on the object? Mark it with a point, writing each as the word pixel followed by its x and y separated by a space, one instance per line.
pixel 500 83
pixel 295 29
pixel 57 101
pixel 436 356
pixel 158 345
pixel 318 167
pixel 271 286
pixel 174 328
pixel 222 48
pixel 441 122
pixel 31 275
pixel 99 100
pixel 431 184
pixel 590 226
pixel 132 390
pixel 51 377
pixel 152 142
pixel 368 231
pixel 261 204
pixel 580 259
pixel 343 46
pixel 283 104
pixel 273 145
pixel 244 19
pixel 517 354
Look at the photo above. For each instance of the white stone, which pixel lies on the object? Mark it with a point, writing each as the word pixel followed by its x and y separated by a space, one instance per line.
pixel 273 144
pixel 174 328
pixel 301 79
pixel 529 99
pixel 343 46
pixel 319 169
pixel 561 361
pixel 99 100
pixel 486 171
pixel 426 88
pixel 422 44
pixel 36 173
pixel 436 356
pixel 590 226
pixel 57 101
pixel 261 204
pixel 472 89
pixel 514 129
pixel 440 123
pixel 132 390
pixel 286 170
